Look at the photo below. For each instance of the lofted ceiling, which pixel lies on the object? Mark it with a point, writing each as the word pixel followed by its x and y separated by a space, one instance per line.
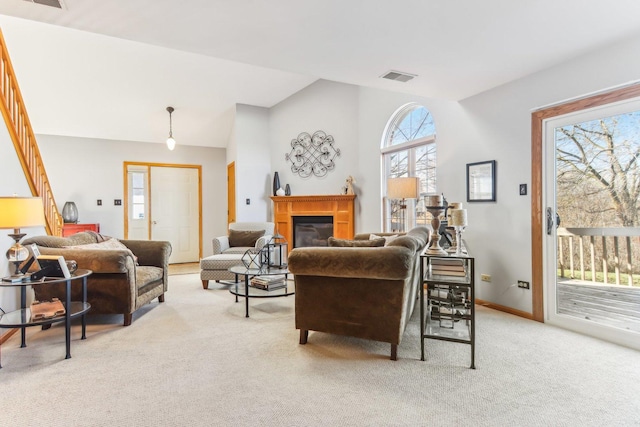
pixel 115 65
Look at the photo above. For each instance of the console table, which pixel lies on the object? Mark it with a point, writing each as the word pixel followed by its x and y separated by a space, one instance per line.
pixel 447 311
pixel 69 229
pixel 21 318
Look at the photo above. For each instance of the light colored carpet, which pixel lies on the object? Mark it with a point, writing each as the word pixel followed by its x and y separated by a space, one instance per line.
pixel 195 360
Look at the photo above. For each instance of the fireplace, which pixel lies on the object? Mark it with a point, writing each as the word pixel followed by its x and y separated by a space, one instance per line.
pixel 312 230
pixel 338 207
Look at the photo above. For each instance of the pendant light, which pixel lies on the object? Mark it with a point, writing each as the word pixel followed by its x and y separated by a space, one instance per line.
pixel 171 143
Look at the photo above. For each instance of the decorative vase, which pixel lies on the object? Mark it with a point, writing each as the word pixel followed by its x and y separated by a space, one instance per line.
pixel 72 266
pixel 287 190
pixel 280 192
pixel 276 183
pixel 70 213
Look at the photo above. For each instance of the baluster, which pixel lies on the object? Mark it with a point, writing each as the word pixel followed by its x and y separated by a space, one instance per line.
pixel 571 256
pixel 581 248
pixel 605 271
pixel 629 270
pixel 561 256
pixel 616 259
pixel 592 247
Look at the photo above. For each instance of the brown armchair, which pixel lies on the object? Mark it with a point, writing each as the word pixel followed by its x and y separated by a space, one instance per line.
pixel 364 292
pixel 118 284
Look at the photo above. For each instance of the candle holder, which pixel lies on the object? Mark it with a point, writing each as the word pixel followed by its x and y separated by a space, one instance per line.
pixel 454 240
pixel 434 243
pixel 459 229
pixel 458 221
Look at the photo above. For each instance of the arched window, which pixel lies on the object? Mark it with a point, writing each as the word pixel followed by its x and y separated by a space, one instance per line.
pixel 409 150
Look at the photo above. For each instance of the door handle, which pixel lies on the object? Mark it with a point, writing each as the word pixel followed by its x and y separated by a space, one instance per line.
pixel 552 218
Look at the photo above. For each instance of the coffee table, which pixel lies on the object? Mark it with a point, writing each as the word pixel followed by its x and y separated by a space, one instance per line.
pixel 247 291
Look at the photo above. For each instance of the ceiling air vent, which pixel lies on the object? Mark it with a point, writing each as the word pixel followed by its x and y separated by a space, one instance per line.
pixel 53 3
pixel 398 76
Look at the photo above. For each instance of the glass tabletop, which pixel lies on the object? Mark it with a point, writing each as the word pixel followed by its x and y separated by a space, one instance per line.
pixel 241 269
pixel 78 274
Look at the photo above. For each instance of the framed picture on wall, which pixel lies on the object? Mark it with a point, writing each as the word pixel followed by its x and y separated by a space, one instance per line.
pixel 481 181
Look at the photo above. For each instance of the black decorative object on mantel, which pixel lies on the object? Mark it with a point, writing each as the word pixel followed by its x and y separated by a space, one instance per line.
pixel 276 183
pixel 287 190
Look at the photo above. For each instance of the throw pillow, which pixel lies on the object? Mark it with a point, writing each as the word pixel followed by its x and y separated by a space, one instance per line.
pixel 244 238
pixel 106 245
pixel 387 239
pixel 341 243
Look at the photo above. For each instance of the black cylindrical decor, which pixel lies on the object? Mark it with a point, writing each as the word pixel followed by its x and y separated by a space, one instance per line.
pixel 287 190
pixel 276 183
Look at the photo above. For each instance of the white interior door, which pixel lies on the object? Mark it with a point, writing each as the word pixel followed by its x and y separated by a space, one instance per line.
pixel 175 211
pixel 588 161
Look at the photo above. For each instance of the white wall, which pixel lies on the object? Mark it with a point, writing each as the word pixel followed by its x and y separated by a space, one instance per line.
pixel 327 106
pixel 84 170
pixel 12 182
pixel 253 166
pixel 501 122
pixel 495 125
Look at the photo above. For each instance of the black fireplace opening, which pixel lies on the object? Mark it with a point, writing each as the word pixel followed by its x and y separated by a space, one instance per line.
pixel 312 230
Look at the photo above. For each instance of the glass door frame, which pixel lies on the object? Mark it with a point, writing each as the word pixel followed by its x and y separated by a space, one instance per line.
pixel 539 193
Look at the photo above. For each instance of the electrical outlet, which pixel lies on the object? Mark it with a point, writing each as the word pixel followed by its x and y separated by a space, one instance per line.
pixel 99 202
pixel 117 202
pixel 485 277
pixel 522 284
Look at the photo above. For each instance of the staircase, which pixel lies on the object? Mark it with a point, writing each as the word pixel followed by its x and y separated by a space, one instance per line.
pixel 24 141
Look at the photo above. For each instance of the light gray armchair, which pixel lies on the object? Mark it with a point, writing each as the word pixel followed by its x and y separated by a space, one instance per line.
pixel 228 250
pixel 241 234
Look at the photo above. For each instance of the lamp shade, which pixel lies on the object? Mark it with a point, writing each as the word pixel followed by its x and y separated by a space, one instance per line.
pixel 403 188
pixel 21 212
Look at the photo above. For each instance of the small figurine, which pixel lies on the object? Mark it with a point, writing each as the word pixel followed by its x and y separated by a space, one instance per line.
pixel 350 182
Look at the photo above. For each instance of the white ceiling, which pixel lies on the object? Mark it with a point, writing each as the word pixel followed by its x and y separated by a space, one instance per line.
pixel 208 55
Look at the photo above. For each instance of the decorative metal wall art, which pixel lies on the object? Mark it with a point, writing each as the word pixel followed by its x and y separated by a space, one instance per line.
pixel 312 154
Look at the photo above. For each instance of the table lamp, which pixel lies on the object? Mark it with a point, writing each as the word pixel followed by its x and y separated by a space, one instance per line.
pixel 403 188
pixel 17 213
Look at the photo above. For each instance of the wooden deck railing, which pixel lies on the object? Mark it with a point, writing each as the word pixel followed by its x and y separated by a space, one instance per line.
pixel 599 250
pixel 24 141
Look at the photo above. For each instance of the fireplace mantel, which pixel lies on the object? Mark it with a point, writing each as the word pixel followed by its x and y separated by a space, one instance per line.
pixel 339 206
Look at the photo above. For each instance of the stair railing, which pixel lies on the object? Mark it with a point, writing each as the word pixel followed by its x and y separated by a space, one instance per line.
pixel 24 141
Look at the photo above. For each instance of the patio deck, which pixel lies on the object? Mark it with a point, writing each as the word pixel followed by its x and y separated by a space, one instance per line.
pixel 617 306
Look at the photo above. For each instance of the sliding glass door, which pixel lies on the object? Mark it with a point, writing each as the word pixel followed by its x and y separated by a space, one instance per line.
pixel 592 240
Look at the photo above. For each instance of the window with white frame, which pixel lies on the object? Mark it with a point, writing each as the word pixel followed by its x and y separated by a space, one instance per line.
pixel 138 203
pixel 409 150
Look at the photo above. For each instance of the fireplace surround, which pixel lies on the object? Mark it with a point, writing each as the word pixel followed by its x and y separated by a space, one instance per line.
pixel 339 207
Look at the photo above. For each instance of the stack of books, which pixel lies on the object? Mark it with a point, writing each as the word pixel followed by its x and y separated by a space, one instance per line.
pixel 269 283
pixel 448 267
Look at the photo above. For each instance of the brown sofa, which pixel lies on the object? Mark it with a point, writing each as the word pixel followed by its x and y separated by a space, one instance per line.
pixel 364 292
pixel 118 284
